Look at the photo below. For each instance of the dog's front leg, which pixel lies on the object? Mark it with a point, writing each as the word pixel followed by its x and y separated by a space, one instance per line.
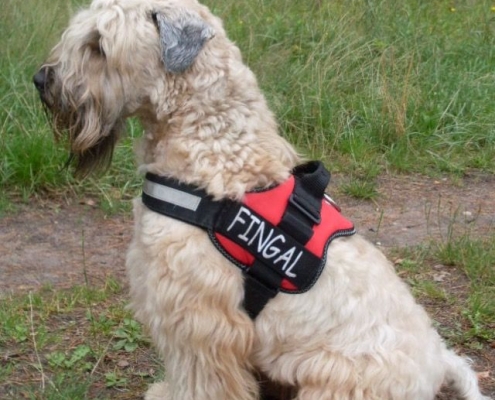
pixel 188 296
pixel 158 391
pixel 206 362
pixel 206 357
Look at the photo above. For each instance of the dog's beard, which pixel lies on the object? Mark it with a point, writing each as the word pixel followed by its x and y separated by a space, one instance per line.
pixel 91 140
pixel 95 158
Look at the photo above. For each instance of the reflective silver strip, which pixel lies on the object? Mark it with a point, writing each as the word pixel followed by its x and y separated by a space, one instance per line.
pixel 331 201
pixel 171 195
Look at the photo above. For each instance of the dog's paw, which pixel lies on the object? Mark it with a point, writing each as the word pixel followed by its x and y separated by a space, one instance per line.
pixel 157 391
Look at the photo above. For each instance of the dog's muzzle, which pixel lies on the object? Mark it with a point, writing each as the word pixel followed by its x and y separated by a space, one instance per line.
pixel 41 81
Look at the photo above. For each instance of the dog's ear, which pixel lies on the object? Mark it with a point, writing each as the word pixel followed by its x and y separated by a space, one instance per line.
pixel 181 39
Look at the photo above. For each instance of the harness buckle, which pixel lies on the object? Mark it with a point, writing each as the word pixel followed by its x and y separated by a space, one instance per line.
pixel 311 214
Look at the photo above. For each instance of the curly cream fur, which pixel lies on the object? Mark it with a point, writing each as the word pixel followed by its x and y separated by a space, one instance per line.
pixel 357 334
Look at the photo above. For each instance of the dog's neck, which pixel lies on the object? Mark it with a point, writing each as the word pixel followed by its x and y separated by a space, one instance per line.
pixel 224 140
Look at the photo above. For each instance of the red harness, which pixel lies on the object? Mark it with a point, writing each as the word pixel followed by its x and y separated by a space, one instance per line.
pixel 271 205
pixel 278 237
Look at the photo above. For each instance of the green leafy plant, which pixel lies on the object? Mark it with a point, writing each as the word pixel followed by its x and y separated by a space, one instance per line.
pixel 75 360
pixel 112 379
pixel 128 336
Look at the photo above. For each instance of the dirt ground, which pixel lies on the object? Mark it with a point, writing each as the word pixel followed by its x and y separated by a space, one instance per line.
pixel 56 243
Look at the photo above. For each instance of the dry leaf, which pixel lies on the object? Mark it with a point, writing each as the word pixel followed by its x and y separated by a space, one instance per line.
pixel 123 364
pixel 440 277
pixel 483 375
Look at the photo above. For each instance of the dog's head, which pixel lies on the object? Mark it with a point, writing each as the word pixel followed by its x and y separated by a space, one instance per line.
pixel 116 59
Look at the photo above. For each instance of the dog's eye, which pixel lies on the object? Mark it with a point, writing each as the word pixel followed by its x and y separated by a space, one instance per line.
pixel 94 43
pixel 154 18
pixel 96 49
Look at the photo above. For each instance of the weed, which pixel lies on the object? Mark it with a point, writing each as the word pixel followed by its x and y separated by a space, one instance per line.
pixel 59 353
pixel 360 189
pixel 112 379
pixel 128 336
pixel 75 359
pixel 468 258
pixel 429 289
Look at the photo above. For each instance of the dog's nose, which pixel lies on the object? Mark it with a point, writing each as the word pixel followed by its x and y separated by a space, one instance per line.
pixel 40 79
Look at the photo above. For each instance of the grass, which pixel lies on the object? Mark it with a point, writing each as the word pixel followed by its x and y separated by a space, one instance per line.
pixel 74 344
pixel 476 259
pixel 361 189
pixel 400 86
pixel 364 85
pixel 456 279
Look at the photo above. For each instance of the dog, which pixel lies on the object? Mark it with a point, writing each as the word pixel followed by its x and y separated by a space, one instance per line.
pixel 356 334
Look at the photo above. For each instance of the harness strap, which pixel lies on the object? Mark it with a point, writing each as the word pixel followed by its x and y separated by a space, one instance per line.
pixel 169 197
pixel 301 214
pixel 281 260
pixel 304 208
pixel 234 221
pixel 261 284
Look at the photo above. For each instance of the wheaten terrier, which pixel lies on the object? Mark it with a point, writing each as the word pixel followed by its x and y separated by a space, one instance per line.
pixel 220 179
